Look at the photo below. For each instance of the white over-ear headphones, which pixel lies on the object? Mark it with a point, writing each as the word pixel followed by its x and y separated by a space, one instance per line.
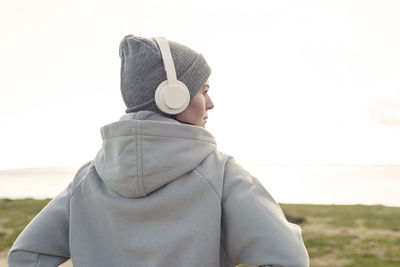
pixel 172 96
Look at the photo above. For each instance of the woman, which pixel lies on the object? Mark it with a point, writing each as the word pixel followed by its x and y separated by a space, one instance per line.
pixel 159 193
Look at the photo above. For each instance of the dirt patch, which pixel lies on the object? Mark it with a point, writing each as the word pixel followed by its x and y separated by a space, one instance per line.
pixel 329 261
pixel 3 258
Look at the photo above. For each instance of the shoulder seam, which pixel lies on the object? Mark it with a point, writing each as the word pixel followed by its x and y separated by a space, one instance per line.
pixel 37 259
pixel 226 252
pixel 228 160
pixel 81 180
pixel 208 182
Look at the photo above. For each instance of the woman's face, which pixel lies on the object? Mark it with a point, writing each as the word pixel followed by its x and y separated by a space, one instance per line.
pixel 196 111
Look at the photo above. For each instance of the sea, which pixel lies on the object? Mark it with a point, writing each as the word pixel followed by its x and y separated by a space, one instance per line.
pixel 308 184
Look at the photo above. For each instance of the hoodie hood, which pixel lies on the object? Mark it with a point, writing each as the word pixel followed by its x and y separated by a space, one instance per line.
pixel 144 151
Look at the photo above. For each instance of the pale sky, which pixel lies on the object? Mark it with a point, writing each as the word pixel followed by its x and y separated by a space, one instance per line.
pixel 293 82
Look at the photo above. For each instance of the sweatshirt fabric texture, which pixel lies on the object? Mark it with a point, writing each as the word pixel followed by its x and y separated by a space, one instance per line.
pixel 159 193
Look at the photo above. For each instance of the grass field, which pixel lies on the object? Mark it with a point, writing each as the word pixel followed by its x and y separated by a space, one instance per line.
pixel 335 235
pixel 354 235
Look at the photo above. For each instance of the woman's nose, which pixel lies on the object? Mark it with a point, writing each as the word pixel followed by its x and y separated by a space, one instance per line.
pixel 210 104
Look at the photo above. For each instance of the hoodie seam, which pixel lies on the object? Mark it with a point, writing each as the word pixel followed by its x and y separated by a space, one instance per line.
pixel 81 181
pixel 141 153
pixel 209 183
pixel 37 260
pixel 182 138
pixel 139 171
pixel 226 252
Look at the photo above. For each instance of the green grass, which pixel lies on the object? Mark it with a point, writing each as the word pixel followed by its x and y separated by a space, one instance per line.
pixel 14 216
pixel 373 217
pixel 349 235
pixel 335 235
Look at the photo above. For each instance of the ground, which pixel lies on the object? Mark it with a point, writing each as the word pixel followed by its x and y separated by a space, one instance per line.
pixel 335 235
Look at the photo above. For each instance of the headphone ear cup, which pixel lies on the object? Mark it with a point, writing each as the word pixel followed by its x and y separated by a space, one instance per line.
pixel 172 99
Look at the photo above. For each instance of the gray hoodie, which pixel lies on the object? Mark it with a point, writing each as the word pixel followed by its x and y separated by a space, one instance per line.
pixel 159 193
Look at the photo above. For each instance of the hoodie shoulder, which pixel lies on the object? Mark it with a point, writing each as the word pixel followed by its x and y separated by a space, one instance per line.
pixel 213 169
pixel 222 172
pixel 80 174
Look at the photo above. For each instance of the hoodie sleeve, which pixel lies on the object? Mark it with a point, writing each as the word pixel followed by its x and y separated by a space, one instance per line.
pixel 44 242
pixel 254 228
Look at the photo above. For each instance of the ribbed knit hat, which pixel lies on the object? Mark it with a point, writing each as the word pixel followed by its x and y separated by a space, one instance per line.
pixel 142 70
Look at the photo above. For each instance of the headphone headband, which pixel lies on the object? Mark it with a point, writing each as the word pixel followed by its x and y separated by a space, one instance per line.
pixel 167 59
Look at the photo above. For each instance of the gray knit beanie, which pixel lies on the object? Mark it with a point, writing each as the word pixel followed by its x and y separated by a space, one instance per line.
pixel 142 70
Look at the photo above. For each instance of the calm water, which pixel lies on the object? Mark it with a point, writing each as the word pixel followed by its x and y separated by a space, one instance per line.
pixel 290 184
pixel 332 184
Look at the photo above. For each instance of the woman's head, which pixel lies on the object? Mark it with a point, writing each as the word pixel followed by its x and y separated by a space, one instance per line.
pixel 142 70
